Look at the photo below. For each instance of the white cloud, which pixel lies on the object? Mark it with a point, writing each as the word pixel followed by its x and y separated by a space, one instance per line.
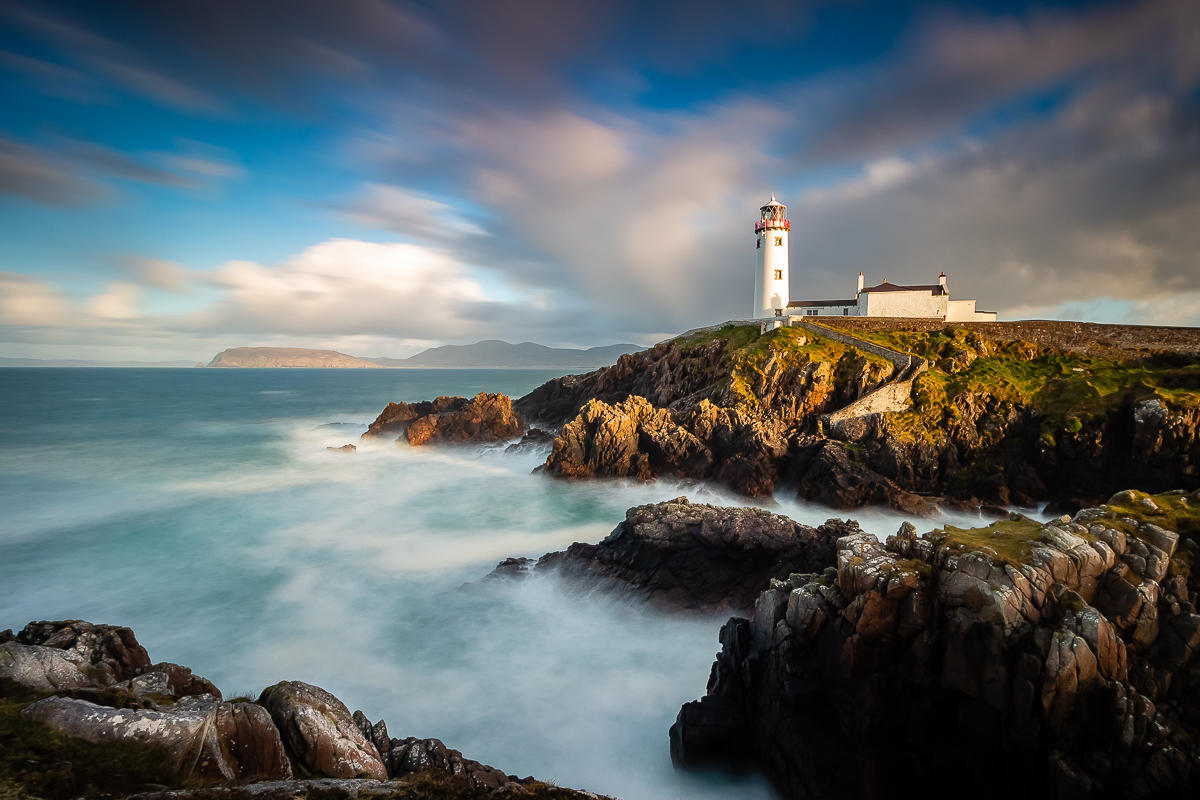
pixel 27 301
pixel 117 303
pixel 347 287
pixel 157 272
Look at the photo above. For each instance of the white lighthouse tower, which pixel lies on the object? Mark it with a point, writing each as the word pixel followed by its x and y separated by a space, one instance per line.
pixel 771 289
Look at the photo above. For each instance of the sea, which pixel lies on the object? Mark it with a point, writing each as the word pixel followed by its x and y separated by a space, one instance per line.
pixel 201 508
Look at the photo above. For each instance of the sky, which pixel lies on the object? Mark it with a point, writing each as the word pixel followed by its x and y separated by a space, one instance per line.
pixel 378 177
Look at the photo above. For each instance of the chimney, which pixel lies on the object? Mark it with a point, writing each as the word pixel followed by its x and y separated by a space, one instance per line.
pixel 860 281
pixel 942 283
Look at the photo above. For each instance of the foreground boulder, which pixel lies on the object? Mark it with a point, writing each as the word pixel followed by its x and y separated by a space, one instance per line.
pixel 1066 652
pixel 483 418
pixel 201 739
pixel 45 654
pixel 694 556
pixel 84 713
pixel 320 731
pixel 426 785
pixel 73 654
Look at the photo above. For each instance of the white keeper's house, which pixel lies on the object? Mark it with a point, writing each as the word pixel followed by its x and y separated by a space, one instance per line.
pixel 772 286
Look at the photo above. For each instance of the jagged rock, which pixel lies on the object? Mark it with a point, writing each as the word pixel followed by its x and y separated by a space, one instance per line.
pixel 693 556
pixel 72 654
pixel 533 439
pixel 319 731
pixel 204 740
pixel 112 652
pixel 833 477
pixel 180 681
pixel 414 755
pixel 363 788
pixel 1037 646
pixel 483 418
pixel 346 448
pixel 517 567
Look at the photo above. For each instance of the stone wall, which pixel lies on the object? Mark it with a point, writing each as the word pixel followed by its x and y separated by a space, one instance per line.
pixel 901 361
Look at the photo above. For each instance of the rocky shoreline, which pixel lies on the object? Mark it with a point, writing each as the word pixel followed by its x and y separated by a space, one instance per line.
pixel 84 712
pixel 1052 660
pixel 1066 654
pixel 984 423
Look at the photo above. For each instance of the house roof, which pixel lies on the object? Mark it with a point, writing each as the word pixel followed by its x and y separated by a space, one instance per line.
pixel 803 303
pixel 932 288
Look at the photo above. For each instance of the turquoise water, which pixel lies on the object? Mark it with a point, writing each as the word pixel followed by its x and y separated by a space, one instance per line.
pixel 200 508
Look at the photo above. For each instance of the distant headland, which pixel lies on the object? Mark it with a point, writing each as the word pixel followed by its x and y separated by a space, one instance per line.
pixel 491 353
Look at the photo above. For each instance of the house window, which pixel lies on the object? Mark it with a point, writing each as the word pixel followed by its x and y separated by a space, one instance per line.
pixel 845 312
pixel 779 241
pixel 812 312
pixel 778 274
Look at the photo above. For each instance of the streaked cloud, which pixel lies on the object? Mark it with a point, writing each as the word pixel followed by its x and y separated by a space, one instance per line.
pixel 36 174
pixel 408 213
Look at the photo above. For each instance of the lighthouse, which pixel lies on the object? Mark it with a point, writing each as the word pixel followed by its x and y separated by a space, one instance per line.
pixel 771 292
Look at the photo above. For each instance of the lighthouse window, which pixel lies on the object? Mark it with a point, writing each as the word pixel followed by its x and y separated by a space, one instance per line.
pixel 778 274
pixel 779 241
pixel 757 244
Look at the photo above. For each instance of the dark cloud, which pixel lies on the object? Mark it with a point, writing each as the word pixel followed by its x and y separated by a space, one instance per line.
pixel 71 171
pixel 188 53
pixel 956 67
pixel 39 175
pixel 1098 202
pixel 106 160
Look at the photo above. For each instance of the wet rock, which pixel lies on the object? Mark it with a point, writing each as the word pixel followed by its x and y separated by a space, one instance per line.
pixel 346 448
pixel 694 556
pixel 203 739
pixel 319 731
pixel 512 568
pixel 533 440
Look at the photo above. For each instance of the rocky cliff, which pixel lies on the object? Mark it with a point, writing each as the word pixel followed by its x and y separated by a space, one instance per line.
pixel 966 420
pixel 991 422
pixel 728 405
pixel 1020 659
pixel 84 713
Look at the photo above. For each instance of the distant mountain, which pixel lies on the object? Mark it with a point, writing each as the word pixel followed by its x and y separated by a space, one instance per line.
pixel 287 357
pixel 495 353
pixel 79 362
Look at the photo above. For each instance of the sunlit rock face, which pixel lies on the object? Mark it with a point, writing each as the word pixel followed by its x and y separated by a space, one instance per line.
pixel 1066 651
pixel 990 419
pixel 482 418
